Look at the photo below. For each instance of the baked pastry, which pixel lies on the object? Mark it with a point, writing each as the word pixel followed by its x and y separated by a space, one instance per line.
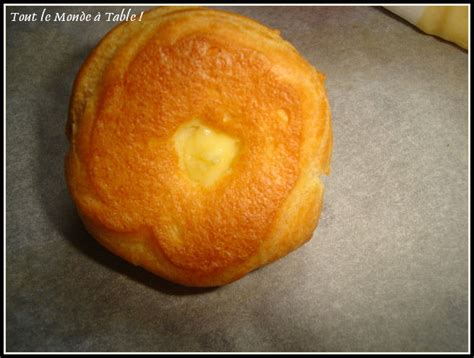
pixel 197 141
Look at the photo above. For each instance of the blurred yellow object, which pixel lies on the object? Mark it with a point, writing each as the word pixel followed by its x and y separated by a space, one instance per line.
pixel 447 22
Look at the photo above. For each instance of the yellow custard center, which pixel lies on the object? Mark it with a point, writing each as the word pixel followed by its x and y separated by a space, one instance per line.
pixel 205 155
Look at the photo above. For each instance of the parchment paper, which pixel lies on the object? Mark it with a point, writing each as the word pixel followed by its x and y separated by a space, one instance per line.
pixel 387 269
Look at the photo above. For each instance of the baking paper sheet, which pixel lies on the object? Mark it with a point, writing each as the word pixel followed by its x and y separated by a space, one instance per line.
pixel 387 269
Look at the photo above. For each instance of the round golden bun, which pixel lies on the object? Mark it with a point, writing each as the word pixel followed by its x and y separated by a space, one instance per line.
pixel 144 177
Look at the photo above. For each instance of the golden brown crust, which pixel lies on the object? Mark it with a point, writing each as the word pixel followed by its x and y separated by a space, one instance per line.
pixel 140 83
